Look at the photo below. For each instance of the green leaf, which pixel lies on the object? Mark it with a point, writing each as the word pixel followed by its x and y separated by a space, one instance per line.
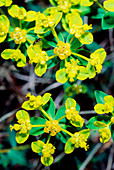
pixel 17 157
pixel 75 43
pixel 50 108
pixel 63 136
pixel 40 69
pixel 102 118
pixel 37 146
pixel 60 36
pixel 58 16
pixel 86 38
pixel 21 137
pixel 47 161
pixel 69 147
pixel 107 20
pixel 70 103
pixel 53 2
pixel 61 76
pixel 100 96
pixel 52 44
pixel 99 15
pixel 100 124
pixel 36 131
pixel 93 46
pixel 60 113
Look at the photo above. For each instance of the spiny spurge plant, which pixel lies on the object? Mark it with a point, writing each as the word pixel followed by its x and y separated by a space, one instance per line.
pixel 55 124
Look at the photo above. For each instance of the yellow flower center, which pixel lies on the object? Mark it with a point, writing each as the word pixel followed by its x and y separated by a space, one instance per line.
pixel 19 36
pixel 62 50
pixel 48 150
pixel 72 69
pixel 52 126
pixel 40 57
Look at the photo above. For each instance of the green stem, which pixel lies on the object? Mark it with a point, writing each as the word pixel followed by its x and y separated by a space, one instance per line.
pixel 81 56
pixel 15 148
pixel 72 39
pixel 19 46
pixel 52 56
pixel 100 6
pixel 54 33
pixel 2 12
pixel 38 125
pixel 61 117
pixel 20 24
pixel 66 131
pixel 48 139
pixel 30 29
pixel 44 112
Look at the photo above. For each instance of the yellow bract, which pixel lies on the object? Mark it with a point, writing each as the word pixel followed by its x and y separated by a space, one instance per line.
pixel 4 27
pixel 52 127
pixel 19 12
pixel 105 134
pixel 23 126
pixel 19 36
pixel 109 5
pixel 5 3
pixel 107 107
pixel 15 55
pixel 62 50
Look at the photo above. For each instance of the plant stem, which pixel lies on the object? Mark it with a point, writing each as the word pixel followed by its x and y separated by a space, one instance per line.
pixel 38 125
pixel 15 148
pixel 72 39
pixel 30 29
pixel 52 56
pixel 100 6
pixel 2 12
pixel 61 117
pixel 54 33
pixel 19 46
pixel 48 139
pixel 20 24
pixel 66 131
pixel 81 56
pixel 44 112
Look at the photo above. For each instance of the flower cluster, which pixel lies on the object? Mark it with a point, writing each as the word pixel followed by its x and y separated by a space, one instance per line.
pixel 46 149
pixel 107 107
pixel 62 50
pixel 35 102
pixel 19 36
pixel 15 55
pixel 52 127
pixel 5 3
pixel 22 127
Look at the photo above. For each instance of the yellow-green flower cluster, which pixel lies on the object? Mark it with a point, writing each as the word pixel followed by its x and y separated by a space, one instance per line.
pixel 72 69
pixel 52 127
pixel 105 134
pixel 73 115
pixel 19 36
pixel 5 3
pixel 20 13
pixel 80 32
pixel 46 149
pixel 35 102
pixel 62 50
pixel 79 140
pixel 22 127
pixel 4 27
pixel 107 107
pixel 15 55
